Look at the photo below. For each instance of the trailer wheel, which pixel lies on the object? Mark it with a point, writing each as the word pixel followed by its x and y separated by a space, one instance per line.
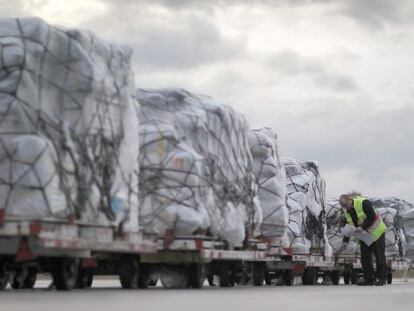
pixel 85 278
pixel 354 276
pixel 174 277
pixel 210 279
pixel 335 277
pixel 268 278
pixel 258 272
pixel 31 278
pixel 24 278
pixel 389 277
pixel 4 276
pixel 143 277
pixel 347 277
pixel 196 275
pixel 288 277
pixel 226 276
pixel 64 273
pixel 310 276
pixel 128 272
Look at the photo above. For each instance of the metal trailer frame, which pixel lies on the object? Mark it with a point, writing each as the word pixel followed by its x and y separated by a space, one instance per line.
pixel 350 267
pixel 73 252
pixel 69 250
pixel 257 263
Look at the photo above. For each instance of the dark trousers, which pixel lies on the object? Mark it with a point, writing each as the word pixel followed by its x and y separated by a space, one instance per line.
pixel 378 250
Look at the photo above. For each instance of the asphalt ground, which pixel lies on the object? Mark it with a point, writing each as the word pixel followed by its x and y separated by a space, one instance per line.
pixel 108 295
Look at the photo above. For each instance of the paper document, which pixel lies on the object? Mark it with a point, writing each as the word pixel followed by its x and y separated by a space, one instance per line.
pixel 364 236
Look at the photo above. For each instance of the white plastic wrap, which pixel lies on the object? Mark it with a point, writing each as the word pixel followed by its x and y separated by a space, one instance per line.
pixel 335 221
pixel 389 209
pixel 399 240
pixel 196 168
pixel 306 204
pixel 270 178
pixel 68 131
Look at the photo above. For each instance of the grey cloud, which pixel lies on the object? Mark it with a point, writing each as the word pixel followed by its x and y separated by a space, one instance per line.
pixel 15 8
pixel 167 40
pixel 292 64
pixel 209 5
pixel 375 14
pixel 199 43
pixel 341 135
pixel 336 82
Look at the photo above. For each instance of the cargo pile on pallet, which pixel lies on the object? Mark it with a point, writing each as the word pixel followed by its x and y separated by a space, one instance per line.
pixel 98 177
pixel 68 133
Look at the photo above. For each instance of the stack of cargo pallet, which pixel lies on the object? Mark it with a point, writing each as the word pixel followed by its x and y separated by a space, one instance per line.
pixel 68 133
pixel 196 168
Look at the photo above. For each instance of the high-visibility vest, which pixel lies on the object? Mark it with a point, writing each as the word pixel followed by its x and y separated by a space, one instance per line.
pixel 376 229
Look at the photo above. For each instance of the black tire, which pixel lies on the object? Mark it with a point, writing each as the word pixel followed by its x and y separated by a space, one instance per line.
pixel 354 276
pixel 389 277
pixel 4 276
pixel 335 277
pixel 31 278
pixel 153 282
pixel 175 277
pixel 310 276
pixel 129 272
pixel 210 279
pixel 85 278
pixel 24 278
pixel 258 274
pixel 347 278
pixel 64 273
pixel 196 275
pixel 143 277
pixel 288 277
pixel 268 278
pixel 226 276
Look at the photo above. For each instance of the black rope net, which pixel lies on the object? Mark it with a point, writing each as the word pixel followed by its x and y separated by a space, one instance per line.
pixel 399 237
pixel 271 181
pixel 195 167
pixel 306 203
pixel 335 221
pixel 68 130
pixel 396 216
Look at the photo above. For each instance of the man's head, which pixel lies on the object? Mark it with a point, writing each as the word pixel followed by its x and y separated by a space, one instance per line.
pixel 346 201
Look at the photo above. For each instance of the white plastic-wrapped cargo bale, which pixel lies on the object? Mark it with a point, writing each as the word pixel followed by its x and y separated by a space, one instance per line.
pixel 393 211
pixel 392 235
pixel 335 221
pixel 68 130
pixel 196 171
pixel 270 178
pixel 306 203
pixel 408 227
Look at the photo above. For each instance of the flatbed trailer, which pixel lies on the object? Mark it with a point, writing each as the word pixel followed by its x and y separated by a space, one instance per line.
pixel 350 267
pixel 74 252
pixel 68 250
pixel 191 259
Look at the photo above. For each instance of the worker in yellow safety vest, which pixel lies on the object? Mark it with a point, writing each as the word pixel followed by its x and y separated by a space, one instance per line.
pixel 360 212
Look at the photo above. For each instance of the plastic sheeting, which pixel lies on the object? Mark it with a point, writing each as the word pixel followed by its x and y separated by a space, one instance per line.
pixel 306 203
pixel 195 167
pixel 396 214
pixel 391 211
pixel 335 221
pixel 68 129
pixel 271 180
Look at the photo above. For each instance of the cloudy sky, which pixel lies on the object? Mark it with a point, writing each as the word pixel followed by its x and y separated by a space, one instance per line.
pixel 333 78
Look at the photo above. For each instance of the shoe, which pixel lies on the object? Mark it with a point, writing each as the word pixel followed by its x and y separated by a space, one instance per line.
pixel 362 282
pixel 380 283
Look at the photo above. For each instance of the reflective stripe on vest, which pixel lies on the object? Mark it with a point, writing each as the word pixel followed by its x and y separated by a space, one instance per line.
pixel 377 228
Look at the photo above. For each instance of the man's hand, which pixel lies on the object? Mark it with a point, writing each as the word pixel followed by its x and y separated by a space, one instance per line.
pixel 359 230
